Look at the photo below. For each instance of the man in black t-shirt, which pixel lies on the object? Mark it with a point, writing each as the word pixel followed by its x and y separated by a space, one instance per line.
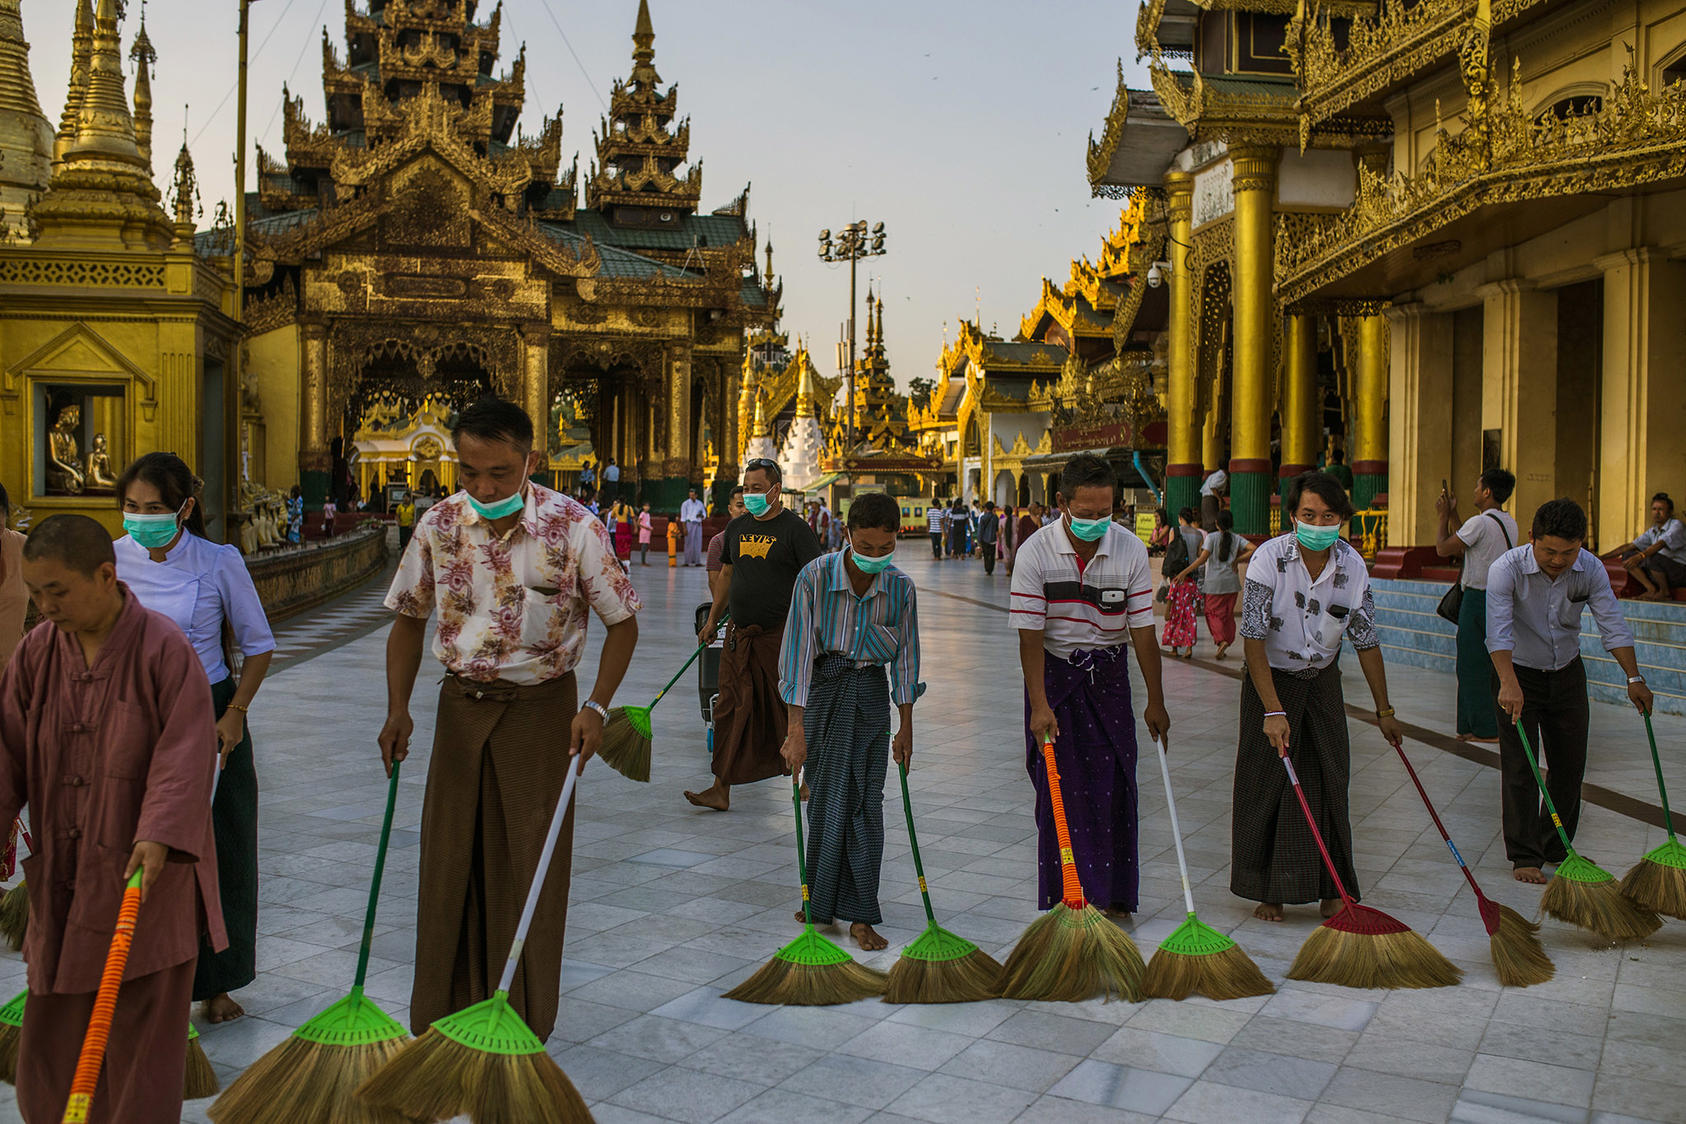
pixel 763 552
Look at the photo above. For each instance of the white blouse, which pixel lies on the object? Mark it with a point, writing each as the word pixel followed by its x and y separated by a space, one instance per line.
pixel 199 585
pixel 1302 621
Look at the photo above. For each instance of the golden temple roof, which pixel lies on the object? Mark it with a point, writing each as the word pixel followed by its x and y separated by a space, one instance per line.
pixel 639 149
pixel 26 136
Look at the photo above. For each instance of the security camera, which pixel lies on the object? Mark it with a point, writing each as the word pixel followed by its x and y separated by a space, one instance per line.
pixel 1156 273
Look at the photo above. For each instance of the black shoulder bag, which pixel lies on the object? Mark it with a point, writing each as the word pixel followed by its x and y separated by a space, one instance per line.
pixel 1452 601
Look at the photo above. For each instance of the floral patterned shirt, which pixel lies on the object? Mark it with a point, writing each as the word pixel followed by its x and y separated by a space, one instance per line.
pixel 511 607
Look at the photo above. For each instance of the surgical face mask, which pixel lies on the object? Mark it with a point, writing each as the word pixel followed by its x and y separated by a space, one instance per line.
pixel 1316 538
pixel 1089 530
pixel 152 531
pixel 757 503
pixel 868 565
pixel 509 505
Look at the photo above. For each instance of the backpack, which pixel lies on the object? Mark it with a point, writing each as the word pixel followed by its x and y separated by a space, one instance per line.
pixel 1176 555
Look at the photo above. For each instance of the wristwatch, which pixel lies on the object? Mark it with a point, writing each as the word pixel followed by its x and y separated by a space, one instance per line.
pixel 1632 679
pixel 597 708
pixel 1385 712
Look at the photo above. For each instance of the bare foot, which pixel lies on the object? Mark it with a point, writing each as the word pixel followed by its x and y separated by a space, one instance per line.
pixel 1466 737
pixel 1329 907
pixel 867 937
pixel 1268 911
pixel 221 1009
pixel 1222 648
pixel 1531 874
pixel 802 916
pixel 1485 741
pixel 716 798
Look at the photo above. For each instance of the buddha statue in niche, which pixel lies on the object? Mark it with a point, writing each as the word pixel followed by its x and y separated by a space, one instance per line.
pixel 64 462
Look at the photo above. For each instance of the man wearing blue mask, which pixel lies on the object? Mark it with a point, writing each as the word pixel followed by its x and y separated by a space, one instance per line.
pixel 852 614
pixel 513 568
pixel 1082 594
pixel 763 551
pixel 1306 590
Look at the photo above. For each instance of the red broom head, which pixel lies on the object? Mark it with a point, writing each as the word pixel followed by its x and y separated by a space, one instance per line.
pixel 1361 919
pixel 1489 913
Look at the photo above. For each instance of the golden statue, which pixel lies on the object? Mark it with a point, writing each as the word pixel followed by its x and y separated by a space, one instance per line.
pixel 100 478
pixel 64 473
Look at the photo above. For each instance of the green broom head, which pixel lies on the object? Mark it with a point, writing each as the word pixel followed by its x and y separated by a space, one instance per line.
pixel 626 742
pixel 1589 897
pixel 1198 958
pixel 810 971
pixel 940 967
pixel 14 916
pixel 11 1032
pixel 354 1021
pixel 1363 947
pixel 12 1013
pixel 1658 881
pixel 1071 954
pixel 491 1026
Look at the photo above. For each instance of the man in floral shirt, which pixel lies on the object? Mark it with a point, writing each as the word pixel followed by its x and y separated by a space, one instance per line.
pixel 511 568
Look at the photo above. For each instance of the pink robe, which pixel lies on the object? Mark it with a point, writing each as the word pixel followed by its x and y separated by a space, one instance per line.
pixel 104 757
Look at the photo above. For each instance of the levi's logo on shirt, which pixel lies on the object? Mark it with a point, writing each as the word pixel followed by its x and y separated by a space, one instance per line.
pixel 756 546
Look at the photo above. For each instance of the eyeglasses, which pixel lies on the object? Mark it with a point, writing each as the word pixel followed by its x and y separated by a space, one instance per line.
pixel 761 462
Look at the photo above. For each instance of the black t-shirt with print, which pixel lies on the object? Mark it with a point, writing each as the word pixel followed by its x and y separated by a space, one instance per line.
pixel 765 556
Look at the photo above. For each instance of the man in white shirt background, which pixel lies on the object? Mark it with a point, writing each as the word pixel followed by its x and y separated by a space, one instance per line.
pixel 1211 489
pixel 691 514
pixel 1479 540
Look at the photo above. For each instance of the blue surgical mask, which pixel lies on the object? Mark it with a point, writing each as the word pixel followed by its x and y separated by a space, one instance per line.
pixel 757 503
pixel 1316 538
pixel 1089 530
pixel 868 565
pixel 509 505
pixel 152 531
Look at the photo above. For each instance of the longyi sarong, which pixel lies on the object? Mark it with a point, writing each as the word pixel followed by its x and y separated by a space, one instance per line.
pixel 1096 757
pixel 749 716
pixel 1274 856
pixel 234 818
pixel 500 755
pixel 847 723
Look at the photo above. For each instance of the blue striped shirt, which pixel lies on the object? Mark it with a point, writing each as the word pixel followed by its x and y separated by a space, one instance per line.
pixel 878 627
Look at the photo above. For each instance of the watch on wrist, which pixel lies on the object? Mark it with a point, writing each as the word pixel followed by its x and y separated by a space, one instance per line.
pixel 598 709
pixel 1632 679
pixel 1385 712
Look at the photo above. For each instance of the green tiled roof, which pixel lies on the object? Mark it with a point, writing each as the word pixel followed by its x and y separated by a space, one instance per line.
pixel 686 231
pixel 617 263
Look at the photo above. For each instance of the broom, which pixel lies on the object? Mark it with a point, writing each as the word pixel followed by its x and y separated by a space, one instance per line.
pixel 1658 881
pixel 627 734
pixel 810 971
pixel 11 1031
pixel 1196 957
pixel 1512 939
pixel 198 1076
pixel 938 967
pixel 310 1078
pixel 88 1062
pixel 1073 951
pixel 1582 893
pixel 484 1062
pixel 14 906
pixel 1360 946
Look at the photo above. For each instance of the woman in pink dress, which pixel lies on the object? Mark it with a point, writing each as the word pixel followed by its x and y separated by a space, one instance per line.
pixel 645 524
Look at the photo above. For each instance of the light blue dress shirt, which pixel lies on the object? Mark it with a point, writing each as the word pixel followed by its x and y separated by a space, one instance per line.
pixel 1538 619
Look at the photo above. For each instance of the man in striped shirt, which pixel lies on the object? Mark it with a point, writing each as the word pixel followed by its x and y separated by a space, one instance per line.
pixel 937 525
pixel 1082 589
pixel 852 614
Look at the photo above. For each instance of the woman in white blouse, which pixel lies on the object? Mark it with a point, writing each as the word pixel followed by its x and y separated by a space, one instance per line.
pixel 169 564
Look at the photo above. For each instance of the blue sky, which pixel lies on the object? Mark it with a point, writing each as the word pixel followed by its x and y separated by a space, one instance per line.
pixel 960 124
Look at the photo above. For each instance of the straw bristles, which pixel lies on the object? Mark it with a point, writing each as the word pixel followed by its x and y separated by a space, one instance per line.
pixel 625 748
pixel 782 982
pixel 1387 960
pixel 1069 955
pixel 1598 906
pixel 1518 956
pixel 14 916
pixel 9 1037
pixel 1657 887
pixel 966 979
pixel 300 1082
pixel 1229 974
pixel 437 1078
pixel 199 1079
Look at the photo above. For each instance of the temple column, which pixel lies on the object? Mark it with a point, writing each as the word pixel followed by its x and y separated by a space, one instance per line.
pixel 535 390
pixel 1420 425
pixel 1301 434
pixel 1519 386
pixel 1182 437
pixel 1369 450
pixel 1643 409
pixel 314 459
pixel 1254 306
pixel 676 470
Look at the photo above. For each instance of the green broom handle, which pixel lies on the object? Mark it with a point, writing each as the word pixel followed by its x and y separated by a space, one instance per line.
pixel 1528 752
pixel 801 847
pixel 534 890
pixel 686 665
pixel 913 840
pixel 375 886
pixel 1668 817
pixel 1176 831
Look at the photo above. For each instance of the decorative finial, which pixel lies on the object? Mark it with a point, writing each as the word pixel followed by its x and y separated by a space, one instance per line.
pixel 184 189
pixel 644 35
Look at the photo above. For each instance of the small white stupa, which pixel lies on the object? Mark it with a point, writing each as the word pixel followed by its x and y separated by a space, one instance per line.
pixel 805 444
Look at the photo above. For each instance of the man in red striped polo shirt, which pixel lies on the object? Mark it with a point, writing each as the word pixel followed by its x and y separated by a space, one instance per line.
pixel 1082 590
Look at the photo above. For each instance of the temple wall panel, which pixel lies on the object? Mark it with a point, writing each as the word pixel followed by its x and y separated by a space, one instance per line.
pixel 1318 179
pixel 274 360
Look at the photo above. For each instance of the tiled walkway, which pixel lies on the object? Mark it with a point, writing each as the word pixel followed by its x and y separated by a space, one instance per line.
pixel 672 906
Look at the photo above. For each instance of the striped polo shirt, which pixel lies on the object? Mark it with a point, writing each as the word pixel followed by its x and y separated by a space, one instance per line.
pixel 1077 605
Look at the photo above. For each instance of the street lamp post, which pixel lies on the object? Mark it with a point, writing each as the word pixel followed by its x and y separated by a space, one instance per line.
pixel 852 243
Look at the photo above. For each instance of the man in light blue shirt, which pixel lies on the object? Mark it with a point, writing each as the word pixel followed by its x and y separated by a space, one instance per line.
pixel 1535 594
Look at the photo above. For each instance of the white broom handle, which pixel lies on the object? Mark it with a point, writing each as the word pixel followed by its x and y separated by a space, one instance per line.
pixel 545 856
pixel 1176 830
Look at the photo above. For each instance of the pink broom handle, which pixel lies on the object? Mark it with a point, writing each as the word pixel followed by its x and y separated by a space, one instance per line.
pixel 1311 822
pixel 1176 830
pixel 533 891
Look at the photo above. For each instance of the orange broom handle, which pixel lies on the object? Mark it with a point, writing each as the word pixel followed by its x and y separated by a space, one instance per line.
pixel 1068 865
pixel 105 1006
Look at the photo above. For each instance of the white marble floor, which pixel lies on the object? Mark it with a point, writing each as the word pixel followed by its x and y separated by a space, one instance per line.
pixel 672 906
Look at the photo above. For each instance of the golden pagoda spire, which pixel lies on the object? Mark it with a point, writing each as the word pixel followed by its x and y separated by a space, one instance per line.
pixel 105 132
pixel 805 396
pixel 184 192
pixel 644 36
pixel 143 56
pixel 81 47
pixel 760 428
pixel 26 136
